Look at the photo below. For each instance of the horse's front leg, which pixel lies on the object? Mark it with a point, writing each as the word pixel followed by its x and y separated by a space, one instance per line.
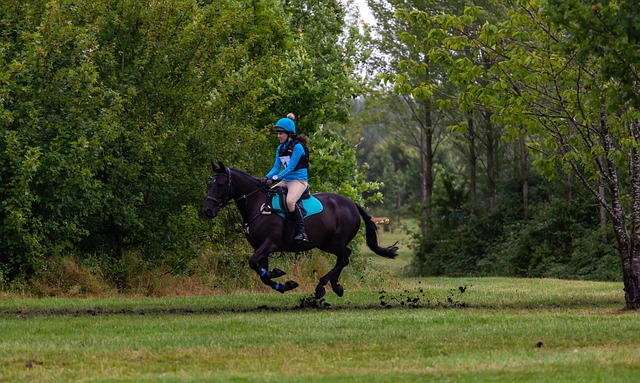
pixel 259 262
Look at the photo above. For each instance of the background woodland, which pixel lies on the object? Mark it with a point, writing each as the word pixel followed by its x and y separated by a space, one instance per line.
pixel 507 130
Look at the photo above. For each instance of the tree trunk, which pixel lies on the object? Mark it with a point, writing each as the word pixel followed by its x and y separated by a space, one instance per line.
pixel 429 162
pixel 631 261
pixel 423 183
pixel 630 258
pixel 426 164
pixel 426 167
pixel 524 167
pixel 491 161
pixel 473 165
pixel 603 215
pixel 398 210
pixel 627 238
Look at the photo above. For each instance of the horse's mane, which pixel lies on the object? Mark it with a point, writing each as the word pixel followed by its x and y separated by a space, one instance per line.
pixel 246 175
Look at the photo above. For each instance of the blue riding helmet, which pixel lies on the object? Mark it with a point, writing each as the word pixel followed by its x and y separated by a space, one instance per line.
pixel 285 125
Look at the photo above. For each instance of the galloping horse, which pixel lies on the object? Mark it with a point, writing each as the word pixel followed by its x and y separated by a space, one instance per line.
pixel 330 230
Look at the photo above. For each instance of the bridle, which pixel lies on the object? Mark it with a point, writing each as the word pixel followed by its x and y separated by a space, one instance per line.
pixel 227 198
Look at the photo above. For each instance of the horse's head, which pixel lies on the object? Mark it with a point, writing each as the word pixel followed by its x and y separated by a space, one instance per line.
pixel 219 190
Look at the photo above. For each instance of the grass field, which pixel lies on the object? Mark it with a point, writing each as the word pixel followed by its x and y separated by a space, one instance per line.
pixel 497 330
pixel 391 329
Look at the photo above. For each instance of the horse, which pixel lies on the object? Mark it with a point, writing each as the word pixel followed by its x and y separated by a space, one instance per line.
pixel 331 230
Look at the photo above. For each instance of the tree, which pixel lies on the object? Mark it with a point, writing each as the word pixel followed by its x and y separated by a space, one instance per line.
pixel 110 113
pixel 318 80
pixel 562 73
pixel 427 96
pixel 415 116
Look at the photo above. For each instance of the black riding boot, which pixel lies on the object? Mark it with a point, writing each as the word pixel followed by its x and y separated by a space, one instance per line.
pixel 298 223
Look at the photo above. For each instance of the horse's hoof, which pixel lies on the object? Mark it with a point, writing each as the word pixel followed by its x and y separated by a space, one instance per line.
pixel 291 285
pixel 338 289
pixel 276 273
pixel 320 291
pixel 279 287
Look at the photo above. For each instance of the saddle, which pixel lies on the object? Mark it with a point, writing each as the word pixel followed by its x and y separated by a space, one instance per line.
pixel 276 203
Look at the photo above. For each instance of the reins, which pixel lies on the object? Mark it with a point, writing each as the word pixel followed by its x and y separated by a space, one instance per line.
pixel 245 196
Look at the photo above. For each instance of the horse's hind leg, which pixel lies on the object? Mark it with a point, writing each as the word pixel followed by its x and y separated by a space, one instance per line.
pixel 333 275
pixel 337 288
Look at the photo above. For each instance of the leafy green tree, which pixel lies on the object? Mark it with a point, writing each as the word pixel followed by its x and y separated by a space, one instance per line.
pixel 318 78
pixel 56 115
pixel 552 78
pixel 110 113
pixel 414 111
pixel 424 100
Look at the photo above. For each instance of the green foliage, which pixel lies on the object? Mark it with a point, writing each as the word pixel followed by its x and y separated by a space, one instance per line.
pixel 98 110
pixel 561 240
pixel 334 167
pixel 457 245
pixel 606 33
pixel 392 162
pixel 316 76
pixel 111 111
pixel 560 77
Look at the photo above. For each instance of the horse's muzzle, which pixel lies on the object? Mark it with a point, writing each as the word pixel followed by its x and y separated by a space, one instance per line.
pixel 210 211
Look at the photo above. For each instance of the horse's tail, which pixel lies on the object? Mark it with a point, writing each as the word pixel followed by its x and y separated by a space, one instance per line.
pixel 372 237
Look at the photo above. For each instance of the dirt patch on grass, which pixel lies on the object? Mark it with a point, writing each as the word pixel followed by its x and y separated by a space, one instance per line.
pixel 416 299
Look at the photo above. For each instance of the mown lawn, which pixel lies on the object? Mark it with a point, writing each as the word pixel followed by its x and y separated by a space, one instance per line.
pixel 497 330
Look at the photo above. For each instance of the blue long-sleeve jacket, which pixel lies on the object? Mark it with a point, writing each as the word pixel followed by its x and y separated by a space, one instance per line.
pixel 283 166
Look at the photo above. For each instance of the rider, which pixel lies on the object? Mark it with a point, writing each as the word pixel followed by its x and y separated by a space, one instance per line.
pixel 291 166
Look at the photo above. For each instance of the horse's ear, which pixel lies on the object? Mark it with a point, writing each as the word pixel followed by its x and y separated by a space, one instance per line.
pixel 221 165
pixel 213 166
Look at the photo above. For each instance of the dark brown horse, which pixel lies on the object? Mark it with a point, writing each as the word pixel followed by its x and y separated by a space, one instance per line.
pixel 331 230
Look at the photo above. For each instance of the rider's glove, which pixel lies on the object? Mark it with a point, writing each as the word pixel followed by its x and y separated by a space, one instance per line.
pixel 265 181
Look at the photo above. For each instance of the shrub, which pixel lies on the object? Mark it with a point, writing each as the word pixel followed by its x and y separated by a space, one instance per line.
pixel 561 240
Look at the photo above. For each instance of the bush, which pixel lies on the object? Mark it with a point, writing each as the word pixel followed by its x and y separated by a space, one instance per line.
pixel 456 248
pixel 561 240
pixel 596 259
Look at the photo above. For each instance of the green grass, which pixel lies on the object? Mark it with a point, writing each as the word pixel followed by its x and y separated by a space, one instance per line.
pixel 391 329
pixel 489 333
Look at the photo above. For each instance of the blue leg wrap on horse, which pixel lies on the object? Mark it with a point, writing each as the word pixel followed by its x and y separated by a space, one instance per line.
pixel 264 272
pixel 277 286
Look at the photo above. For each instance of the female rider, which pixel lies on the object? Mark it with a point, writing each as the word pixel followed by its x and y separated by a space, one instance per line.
pixel 291 167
